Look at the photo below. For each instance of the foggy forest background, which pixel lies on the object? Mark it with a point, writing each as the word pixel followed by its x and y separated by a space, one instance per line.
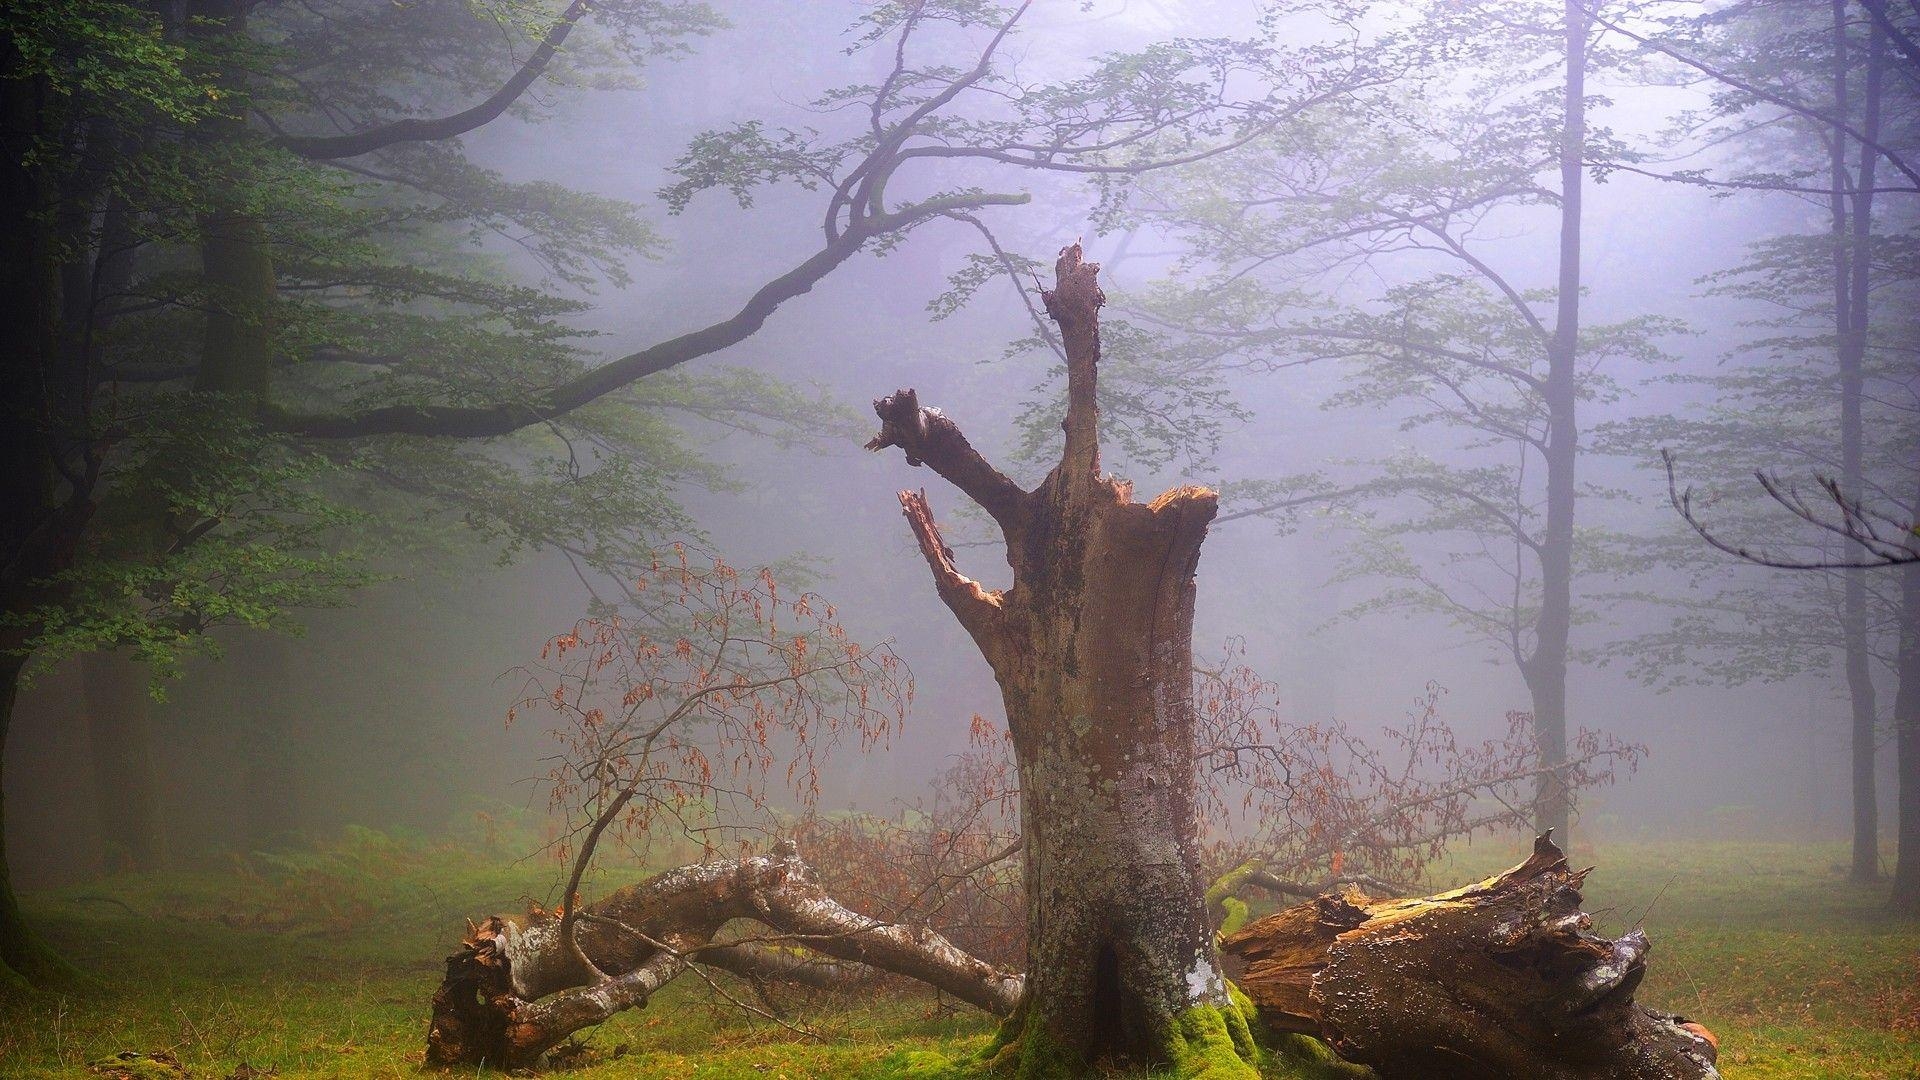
pixel 386 707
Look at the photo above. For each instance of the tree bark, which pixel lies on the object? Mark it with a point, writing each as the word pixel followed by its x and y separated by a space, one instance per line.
pixel 1906 719
pixel 42 512
pixel 1497 980
pixel 515 990
pixel 120 732
pixel 1851 229
pixel 20 950
pixel 1092 648
pixel 1546 669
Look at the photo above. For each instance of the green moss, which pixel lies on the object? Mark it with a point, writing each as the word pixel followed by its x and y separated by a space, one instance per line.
pixel 1214 1042
pixel 1237 914
pixel 1299 1057
pixel 1227 909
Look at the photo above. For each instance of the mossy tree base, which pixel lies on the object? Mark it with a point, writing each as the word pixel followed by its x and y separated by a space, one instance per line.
pixel 1205 1042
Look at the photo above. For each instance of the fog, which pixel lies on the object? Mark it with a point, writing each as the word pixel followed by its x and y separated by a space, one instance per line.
pixel 389 710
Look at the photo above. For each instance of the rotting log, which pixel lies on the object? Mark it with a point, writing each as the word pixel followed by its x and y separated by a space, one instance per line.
pixel 1500 979
pixel 514 990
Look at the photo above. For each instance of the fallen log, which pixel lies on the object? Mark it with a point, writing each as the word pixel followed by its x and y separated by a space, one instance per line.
pixel 516 989
pixel 1496 980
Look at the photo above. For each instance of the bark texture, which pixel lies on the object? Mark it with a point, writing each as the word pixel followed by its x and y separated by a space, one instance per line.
pixel 1851 227
pixel 514 990
pixel 1092 648
pixel 1499 979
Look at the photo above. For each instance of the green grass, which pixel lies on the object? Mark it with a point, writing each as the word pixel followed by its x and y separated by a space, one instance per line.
pixel 322 967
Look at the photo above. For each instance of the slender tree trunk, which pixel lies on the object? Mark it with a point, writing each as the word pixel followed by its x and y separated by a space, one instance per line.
pixel 1092 647
pixel 1546 672
pixel 1906 720
pixel 120 731
pixel 1851 229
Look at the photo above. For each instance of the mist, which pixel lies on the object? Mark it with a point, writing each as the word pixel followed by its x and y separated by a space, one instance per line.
pixel 1334 242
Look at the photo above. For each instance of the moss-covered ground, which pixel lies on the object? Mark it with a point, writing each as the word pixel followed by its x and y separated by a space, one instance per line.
pixel 321 966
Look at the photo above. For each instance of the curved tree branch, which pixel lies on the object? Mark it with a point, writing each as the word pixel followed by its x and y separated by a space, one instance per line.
pixel 355 143
pixel 479 421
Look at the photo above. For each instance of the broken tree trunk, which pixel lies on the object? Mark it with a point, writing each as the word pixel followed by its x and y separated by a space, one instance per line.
pixel 515 990
pixel 1092 646
pixel 1496 980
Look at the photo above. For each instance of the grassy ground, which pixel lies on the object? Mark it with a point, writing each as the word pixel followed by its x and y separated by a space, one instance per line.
pixel 321 966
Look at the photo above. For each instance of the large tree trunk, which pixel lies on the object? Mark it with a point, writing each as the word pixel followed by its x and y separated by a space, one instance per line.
pixel 1092 647
pixel 515 989
pixel 42 514
pixel 120 732
pixel 1494 981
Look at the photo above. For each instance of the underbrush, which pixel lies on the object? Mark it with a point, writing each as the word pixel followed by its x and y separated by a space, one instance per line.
pixel 320 963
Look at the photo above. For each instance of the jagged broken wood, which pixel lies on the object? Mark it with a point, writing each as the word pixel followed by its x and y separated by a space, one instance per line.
pixel 1502 978
pixel 514 990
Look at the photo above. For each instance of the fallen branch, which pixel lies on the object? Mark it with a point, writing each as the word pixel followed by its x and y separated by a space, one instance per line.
pixel 515 990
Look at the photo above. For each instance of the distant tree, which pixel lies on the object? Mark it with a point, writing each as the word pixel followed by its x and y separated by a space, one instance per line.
pixel 1818 106
pixel 1453 344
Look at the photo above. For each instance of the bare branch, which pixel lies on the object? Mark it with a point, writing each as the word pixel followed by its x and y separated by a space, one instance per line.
pixel 1863 528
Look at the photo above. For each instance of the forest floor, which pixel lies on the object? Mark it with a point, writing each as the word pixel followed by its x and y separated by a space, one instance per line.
pixel 321 965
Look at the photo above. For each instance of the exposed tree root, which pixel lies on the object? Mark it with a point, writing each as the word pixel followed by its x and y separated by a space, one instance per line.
pixel 515 989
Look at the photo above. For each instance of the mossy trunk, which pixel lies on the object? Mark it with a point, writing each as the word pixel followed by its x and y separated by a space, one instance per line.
pixel 1092 647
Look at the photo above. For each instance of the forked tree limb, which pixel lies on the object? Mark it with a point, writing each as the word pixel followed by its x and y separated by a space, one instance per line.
pixel 514 990
pixel 928 437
